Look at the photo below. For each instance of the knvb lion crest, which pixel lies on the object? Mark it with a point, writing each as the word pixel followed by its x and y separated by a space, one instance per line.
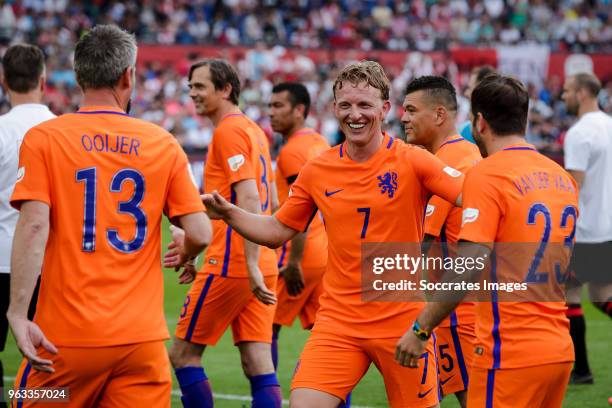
pixel 388 183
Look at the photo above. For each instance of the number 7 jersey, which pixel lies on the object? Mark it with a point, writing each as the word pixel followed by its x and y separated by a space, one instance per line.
pixel 381 200
pixel 107 179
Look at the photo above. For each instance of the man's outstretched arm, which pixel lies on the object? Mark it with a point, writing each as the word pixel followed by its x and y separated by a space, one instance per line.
pixel 262 229
pixel 29 244
pixel 409 348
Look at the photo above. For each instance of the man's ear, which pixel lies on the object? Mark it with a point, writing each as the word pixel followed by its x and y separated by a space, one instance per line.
pixel 441 115
pixel 386 108
pixel 481 123
pixel 227 91
pixel 582 94
pixel 299 110
pixel 42 83
pixel 127 78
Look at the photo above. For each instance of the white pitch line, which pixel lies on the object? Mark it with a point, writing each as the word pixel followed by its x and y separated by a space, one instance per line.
pixel 233 397
pixel 227 397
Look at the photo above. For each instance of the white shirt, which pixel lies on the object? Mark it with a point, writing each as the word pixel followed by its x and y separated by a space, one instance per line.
pixel 13 127
pixel 588 148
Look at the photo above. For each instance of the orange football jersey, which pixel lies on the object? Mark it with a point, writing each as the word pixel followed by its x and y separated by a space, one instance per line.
pixel 513 197
pixel 238 151
pixel 302 146
pixel 380 200
pixel 107 179
pixel 443 219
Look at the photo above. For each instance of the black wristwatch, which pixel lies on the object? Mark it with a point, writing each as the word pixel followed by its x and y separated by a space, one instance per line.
pixel 419 332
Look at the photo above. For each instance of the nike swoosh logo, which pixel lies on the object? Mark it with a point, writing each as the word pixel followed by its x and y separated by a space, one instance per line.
pixel 423 394
pixel 445 381
pixel 331 193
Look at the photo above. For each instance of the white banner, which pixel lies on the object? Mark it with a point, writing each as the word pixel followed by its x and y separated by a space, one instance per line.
pixel 529 63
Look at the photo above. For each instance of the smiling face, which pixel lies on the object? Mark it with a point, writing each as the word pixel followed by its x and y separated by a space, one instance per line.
pixel 419 119
pixel 203 93
pixel 360 110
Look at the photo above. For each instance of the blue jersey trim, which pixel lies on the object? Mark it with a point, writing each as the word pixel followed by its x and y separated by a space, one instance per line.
pixel 281 260
pixel 102 112
pixel 228 240
pixel 496 320
pixel 452 141
pixel 391 139
pixel 490 387
pixel 459 351
pixel 521 148
pixel 198 308
pixel 23 382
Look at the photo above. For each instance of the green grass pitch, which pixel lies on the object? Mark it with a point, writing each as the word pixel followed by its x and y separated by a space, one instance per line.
pixel 222 362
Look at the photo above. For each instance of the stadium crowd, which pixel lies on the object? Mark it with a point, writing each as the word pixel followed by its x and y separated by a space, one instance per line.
pixel 161 95
pixel 382 24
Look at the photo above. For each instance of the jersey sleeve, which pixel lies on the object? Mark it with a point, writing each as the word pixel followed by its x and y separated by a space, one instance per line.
pixel 577 150
pixel 183 196
pixel 435 215
pixel 299 208
pixel 233 150
pixel 437 177
pixel 33 178
pixel 290 162
pixel 482 208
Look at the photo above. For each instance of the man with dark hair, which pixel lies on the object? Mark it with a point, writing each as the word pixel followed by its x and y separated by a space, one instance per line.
pixel 477 75
pixel 523 354
pixel 430 107
pixel 23 67
pixel 221 74
pixel 588 158
pixel 235 286
pixel 302 260
pixel 372 188
pixel 91 190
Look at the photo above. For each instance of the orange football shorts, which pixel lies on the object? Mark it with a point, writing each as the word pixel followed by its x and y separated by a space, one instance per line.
pixel 215 302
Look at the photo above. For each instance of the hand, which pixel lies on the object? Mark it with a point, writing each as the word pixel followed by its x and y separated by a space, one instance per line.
pixel 175 257
pixel 188 275
pixel 29 337
pixel 217 207
pixel 409 349
pixel 294 279
pixel 259 288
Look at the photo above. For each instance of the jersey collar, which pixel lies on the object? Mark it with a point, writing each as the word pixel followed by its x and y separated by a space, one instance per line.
pixel 521 146
pixel 451 139
pixel 386 145
pixel 229 115
pixel 302 131
pixel 92 110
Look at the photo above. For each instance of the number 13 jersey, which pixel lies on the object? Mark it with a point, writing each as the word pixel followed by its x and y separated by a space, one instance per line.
pixel 107 179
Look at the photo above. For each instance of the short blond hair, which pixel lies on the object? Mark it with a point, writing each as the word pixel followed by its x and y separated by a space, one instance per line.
pixel 370 72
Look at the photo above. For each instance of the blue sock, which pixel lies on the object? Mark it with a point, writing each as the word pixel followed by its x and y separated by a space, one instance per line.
pixel 275 350
pixel 265 391
pixel 195 387
pixel 347 404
